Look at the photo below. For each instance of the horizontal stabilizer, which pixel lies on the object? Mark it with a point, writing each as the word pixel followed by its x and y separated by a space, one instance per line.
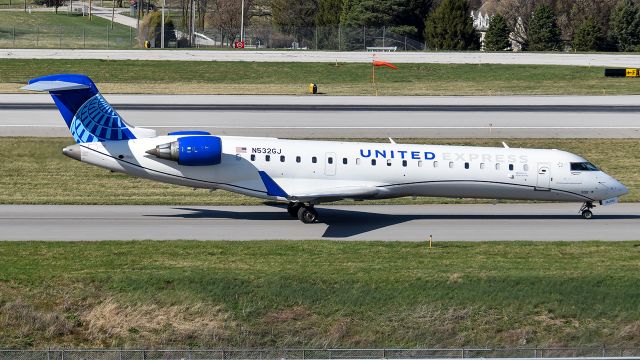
pixel 54 86
pixel 86 112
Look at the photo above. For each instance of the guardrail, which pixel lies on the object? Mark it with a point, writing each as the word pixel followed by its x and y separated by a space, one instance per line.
pixel 317 354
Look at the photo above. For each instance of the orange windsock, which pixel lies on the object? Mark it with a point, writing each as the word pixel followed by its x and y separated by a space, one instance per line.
pixel 384 63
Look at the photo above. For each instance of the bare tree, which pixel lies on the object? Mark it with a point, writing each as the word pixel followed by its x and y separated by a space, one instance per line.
pixel 571 13
pixel 225 15
pixel 518 14
pixel 576 12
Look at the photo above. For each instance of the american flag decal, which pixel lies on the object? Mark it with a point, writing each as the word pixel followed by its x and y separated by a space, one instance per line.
pixel 240 150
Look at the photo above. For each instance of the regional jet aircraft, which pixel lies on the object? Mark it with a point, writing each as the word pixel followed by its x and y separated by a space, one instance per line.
pixel 304 173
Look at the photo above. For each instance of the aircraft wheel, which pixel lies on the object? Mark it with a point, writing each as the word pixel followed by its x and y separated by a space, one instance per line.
pixel 307 215
pixel 292 209
pixel 587 214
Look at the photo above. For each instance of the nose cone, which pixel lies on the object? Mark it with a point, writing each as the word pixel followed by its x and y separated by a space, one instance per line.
pixel 615 188
pixel 620 188
pixel 73 151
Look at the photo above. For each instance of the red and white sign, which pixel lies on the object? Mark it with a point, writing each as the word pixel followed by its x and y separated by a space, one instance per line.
pixel 238 44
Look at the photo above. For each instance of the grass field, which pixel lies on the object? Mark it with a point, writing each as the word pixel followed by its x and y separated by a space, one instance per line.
pixel 194 77
pixel 48 30
pixel 315 294
pixel 34 171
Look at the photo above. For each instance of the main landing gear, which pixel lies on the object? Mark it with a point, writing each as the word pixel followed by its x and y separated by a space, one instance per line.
pixel 585 210
pixel 305 213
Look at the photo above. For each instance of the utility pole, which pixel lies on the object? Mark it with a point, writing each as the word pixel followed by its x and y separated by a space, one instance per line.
pixel 113 11
pixel 193 22
pixel 242 23
pixel 162 27
pixel 138 15
pixel 89 10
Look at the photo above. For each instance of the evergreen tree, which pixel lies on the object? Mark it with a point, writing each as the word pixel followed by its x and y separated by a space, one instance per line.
pixel 401 16
pixel 589 37
pixel 544 33
pixel 625 26
pixel 150 29
pixel 450 27
pixel 328 12
pixel 497 36
pixel 294 16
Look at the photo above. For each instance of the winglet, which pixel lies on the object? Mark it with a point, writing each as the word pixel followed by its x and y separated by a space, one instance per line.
pixel 273 189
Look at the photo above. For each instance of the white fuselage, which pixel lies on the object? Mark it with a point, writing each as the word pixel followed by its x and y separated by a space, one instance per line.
pixel 393 170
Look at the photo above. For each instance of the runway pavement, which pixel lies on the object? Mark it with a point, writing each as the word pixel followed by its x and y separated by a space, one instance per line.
pixel 612 60
pixel 348 117
pixel 545 222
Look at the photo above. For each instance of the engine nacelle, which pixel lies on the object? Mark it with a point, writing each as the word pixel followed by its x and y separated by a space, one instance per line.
pixel 191 150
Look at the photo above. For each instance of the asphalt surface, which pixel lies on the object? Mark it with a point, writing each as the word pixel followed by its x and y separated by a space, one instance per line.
pixel 611 60
pixel 348 117
pixel 543 222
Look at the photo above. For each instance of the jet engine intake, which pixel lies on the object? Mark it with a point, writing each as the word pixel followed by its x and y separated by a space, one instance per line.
pixel 191 150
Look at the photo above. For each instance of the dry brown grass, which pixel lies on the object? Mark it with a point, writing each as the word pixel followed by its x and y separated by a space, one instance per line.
pixel 25 320
pixel 155 325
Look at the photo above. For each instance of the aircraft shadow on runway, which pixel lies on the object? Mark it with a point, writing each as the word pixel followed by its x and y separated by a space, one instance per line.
pixel 346 223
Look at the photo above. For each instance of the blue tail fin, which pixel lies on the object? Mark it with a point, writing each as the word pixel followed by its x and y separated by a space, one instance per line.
pixel 88 115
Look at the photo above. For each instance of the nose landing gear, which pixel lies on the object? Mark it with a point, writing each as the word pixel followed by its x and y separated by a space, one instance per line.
pixel 585 210
pixel 305 213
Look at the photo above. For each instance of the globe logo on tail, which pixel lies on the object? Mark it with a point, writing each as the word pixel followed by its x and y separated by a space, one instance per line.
pixel 97 121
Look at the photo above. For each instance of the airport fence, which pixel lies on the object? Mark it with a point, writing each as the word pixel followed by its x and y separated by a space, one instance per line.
pixel 67 37
pixel 297 39
pixel 335 38
pixel 317 354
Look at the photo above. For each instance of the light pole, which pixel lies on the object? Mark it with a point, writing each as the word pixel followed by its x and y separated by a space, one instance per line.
pixel 193 23
pixel 162 27
pixel 242 23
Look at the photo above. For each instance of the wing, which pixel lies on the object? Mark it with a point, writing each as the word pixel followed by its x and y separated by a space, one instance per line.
pixel 335 194
pixel 315 190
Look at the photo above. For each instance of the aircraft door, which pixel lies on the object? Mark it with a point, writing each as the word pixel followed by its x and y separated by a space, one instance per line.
pixel 330 164
pixel 544 177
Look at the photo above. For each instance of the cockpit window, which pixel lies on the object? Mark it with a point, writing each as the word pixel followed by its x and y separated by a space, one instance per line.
pixel 583 166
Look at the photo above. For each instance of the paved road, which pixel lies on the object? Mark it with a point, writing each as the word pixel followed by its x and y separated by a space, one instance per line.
pixel 340 117
pixel 611 60
pixel 362 222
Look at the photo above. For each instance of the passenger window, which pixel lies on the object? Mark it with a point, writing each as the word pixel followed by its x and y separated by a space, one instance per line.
pixel 450 164
pixel 344 161
pixel 253 157
pixel 525 167
pixel 373 161
pixel 330 160
pixel 357 161
pixel 419 163
pixel 298 159
pixel 497 166
pixel 314 159
pixel 281 158
pixel 267 157
pixel 435 164
pixel 481 165
pixel 466 165
pixel 404 163
pixel 510 167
